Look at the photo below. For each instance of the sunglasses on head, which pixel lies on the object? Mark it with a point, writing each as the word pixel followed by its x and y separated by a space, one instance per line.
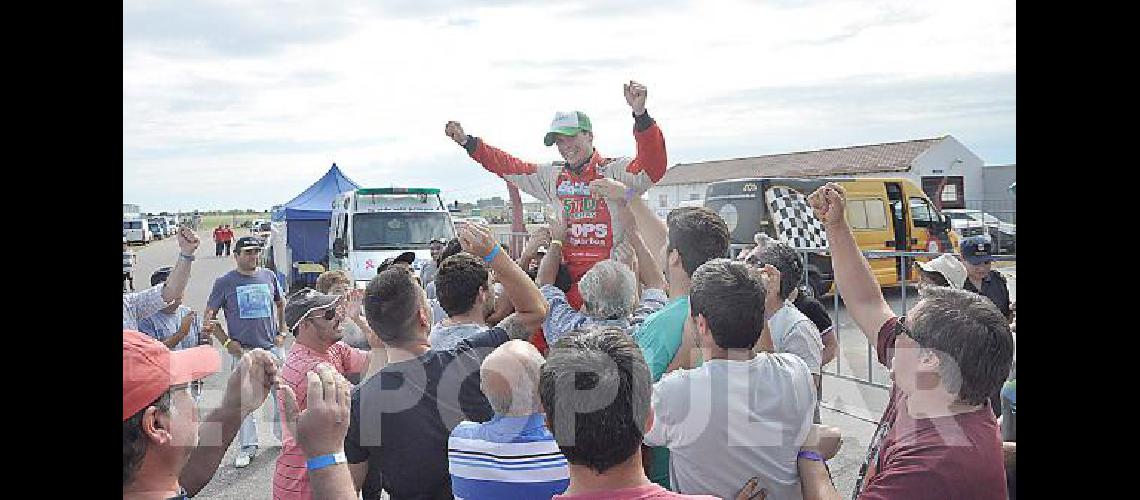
pixel 329 314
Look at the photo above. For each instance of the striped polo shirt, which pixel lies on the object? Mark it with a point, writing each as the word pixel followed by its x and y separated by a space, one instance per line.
pixel 290 480
pixel 506 457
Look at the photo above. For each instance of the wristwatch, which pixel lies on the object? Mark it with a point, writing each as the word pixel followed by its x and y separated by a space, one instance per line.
pixel 188 258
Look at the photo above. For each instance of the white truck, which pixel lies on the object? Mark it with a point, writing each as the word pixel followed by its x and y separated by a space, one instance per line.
pixel 370 225
pixel 136 230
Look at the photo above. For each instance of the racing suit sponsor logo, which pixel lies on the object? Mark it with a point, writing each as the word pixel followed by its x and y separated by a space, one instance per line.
pixel 588 234
pixel 573 188
pixel 579 208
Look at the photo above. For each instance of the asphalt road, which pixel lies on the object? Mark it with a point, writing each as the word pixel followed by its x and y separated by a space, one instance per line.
pixel 254 481
pixel 856 405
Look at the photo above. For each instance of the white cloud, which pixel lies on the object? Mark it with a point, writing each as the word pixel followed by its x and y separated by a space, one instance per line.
pixel 244 105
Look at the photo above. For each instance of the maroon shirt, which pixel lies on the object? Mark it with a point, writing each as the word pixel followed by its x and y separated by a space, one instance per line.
pixel 949 457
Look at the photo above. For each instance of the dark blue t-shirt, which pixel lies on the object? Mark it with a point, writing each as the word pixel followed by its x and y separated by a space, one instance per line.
pixel 249 305
pixel 401 418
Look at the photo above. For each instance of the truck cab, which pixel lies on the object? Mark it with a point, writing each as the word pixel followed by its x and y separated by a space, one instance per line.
pixel 372 224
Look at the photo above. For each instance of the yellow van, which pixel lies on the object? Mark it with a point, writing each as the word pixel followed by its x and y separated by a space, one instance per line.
pixel 890 213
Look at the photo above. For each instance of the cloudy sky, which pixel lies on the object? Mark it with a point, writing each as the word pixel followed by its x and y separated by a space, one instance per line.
pixel 243 104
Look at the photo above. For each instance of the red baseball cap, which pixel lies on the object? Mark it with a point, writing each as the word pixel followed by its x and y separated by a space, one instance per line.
pixel 150 368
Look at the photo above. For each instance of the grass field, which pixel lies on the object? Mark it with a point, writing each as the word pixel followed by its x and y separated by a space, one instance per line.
pixel 211 221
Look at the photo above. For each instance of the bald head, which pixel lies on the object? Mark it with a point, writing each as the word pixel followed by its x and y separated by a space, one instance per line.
pixel 509 379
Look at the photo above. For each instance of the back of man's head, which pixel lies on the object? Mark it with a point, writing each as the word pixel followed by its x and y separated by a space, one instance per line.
pixel 609 290
pixel 730 295
pixel 781 256
pixel 509 376
pixel 972 332
pixel 698 234
pixel 391 302
pixel 460 279
pixel 329 279
pixel 595 388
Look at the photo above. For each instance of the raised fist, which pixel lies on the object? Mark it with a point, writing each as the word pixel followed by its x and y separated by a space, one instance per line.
pixel 455 131
pixel 828 203
pixel 635 96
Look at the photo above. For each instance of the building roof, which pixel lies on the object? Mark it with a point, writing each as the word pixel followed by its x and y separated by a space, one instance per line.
pixel 871 158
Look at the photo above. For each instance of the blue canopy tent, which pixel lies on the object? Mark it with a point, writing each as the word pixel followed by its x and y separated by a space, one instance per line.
pixel 307 219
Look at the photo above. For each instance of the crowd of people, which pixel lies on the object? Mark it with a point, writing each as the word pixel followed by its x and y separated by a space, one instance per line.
pixel 620 356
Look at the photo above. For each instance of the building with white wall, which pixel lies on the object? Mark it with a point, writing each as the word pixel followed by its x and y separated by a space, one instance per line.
pixel 949 172
pixel 999 201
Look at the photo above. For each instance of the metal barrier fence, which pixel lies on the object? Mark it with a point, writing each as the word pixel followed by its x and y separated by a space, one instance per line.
pixel 907 258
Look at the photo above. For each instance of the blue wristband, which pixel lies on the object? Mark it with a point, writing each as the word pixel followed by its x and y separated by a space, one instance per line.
pixel 318 463
pixel 810 455
pixel 629 194
pixel 491 256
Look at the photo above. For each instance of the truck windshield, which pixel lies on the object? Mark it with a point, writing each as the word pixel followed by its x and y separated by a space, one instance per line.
pixel 398 230
pixel 132 224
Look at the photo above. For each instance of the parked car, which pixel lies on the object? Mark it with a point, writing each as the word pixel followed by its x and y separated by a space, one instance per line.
pixel 969 222
pixel 474 220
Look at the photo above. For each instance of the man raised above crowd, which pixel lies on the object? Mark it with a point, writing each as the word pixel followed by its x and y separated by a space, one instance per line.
pixel 566 184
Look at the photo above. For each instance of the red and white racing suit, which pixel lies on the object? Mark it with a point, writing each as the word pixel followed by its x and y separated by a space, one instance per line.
pixel 590 227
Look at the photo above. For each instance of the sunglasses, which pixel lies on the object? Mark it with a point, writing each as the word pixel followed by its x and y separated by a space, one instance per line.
pixel 329 314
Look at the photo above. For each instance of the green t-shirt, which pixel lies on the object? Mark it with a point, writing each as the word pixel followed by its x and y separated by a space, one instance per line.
pixel 659 338
pixel 660 335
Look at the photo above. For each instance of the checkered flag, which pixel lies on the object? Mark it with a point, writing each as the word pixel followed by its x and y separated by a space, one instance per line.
pixel 795 223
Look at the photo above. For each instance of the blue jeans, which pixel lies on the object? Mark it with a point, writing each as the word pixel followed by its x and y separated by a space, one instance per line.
pixel 247 435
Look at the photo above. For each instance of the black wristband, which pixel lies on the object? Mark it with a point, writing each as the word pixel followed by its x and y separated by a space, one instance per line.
pixel 472 143
pixel 643 122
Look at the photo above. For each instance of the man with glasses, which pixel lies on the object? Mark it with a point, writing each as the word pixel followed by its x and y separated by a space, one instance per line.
pixel 167 452
pixel 253 307
pixel 315 320
pixel 937 437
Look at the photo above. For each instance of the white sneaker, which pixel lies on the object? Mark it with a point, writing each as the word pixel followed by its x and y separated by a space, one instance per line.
pixel 242 460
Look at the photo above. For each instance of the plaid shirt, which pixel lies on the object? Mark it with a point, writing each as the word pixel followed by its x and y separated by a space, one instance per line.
pixel 139 305
pixel 561 318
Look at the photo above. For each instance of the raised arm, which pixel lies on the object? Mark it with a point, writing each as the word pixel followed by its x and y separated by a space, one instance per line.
pixel 548 267
pixel 531 178
pixel 651 159
pixel 648 272
pixel 530 308
pixel 652 230
pixel 853 277
pixel 541 237
pixel 246 390
pixel 180 275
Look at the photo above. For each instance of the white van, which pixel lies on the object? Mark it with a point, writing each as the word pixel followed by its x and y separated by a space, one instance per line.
pixel 372 224
pixel 137 231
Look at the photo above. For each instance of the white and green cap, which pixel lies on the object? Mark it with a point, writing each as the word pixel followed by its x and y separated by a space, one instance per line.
pixel 567 123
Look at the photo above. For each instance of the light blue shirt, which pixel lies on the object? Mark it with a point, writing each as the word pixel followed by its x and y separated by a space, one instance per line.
pixel 161 326
pixel 506 457
pixel 562 319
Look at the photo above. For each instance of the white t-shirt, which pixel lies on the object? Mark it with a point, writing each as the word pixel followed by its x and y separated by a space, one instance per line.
pixel 794 332
pixel 727 421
